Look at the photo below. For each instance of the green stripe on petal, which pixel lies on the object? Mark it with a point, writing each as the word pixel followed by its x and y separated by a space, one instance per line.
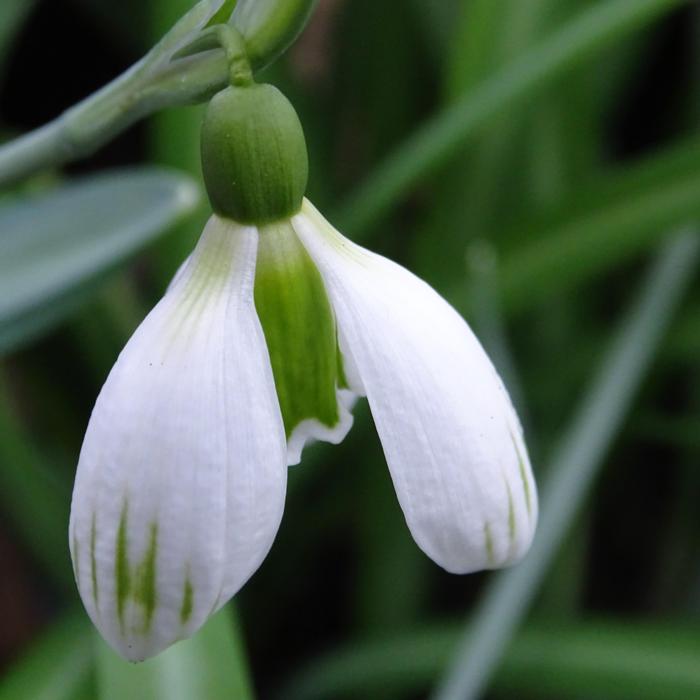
pixel 299 328
pixel 145 592
pixel 187 602
pixel 523 475
pixel 511 517
pixel 121 569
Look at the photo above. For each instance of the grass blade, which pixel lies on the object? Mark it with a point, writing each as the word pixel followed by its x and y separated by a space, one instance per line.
pixel 12 15
pixel 601 658
pixel 570 46
pixel 33 497
pixel 574 466
pixel 602 227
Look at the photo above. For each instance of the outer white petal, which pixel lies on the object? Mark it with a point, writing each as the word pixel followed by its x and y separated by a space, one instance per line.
pixel 181 480
pixel 450 435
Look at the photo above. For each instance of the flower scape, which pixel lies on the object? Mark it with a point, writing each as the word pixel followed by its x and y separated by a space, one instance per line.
pixel 266 337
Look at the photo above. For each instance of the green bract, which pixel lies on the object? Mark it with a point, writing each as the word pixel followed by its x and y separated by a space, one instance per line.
pixel 270 26
pixel 254 156
pixel 299 328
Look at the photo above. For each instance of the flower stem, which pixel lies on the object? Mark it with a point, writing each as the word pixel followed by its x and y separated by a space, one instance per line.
pixel 166 77
pixel 90 124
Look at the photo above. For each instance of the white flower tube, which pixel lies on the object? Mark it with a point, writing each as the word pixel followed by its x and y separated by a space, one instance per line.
pixel 181 480
pixel 451 437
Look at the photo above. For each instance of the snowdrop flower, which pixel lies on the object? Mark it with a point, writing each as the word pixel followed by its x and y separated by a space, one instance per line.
pixel 265 338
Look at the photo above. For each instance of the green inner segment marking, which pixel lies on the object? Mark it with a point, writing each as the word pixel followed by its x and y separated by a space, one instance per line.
pixel 121 569
pixel 187 602
pixel 299 328
pixel 93 559
pixel 488 540
pixel 523 476
pixel 340 370
pixel 145 587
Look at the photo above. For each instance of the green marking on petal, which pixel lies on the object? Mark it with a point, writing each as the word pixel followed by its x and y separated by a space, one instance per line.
pixel 121 569
pixel 511 517
pixel 523 476
pixel 187 602
pixel 488 541
pixel 299 328
pixel 93 559
pixel 145 591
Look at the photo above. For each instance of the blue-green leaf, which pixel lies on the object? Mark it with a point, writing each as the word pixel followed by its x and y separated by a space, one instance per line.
pixel 53 246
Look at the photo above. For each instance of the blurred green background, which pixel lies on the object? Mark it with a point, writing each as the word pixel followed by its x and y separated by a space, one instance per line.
pixel 538 162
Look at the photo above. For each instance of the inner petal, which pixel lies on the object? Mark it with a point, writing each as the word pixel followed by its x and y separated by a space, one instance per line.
pixel 301 336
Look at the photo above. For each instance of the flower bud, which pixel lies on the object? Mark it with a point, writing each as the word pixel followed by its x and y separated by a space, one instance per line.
pixel 254 156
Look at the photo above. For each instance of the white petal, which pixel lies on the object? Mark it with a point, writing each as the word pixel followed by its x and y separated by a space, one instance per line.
pixel 179 273
pixel 449 432
pixel 181 480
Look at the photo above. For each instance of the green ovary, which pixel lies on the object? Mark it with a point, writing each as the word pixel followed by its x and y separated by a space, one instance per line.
pixel 299 328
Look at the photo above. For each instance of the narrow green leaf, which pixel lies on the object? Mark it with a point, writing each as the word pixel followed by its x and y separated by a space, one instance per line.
pixel 209 665
pixel 488 35
pixel 54 244
pixel 601 658
pixel 19 331
pixel 12 15
pixel 33 497
pixel 525 157
pixel 571 46
pixel 485 169
pixel 56 667
pixel 574 467
pixel 597 229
